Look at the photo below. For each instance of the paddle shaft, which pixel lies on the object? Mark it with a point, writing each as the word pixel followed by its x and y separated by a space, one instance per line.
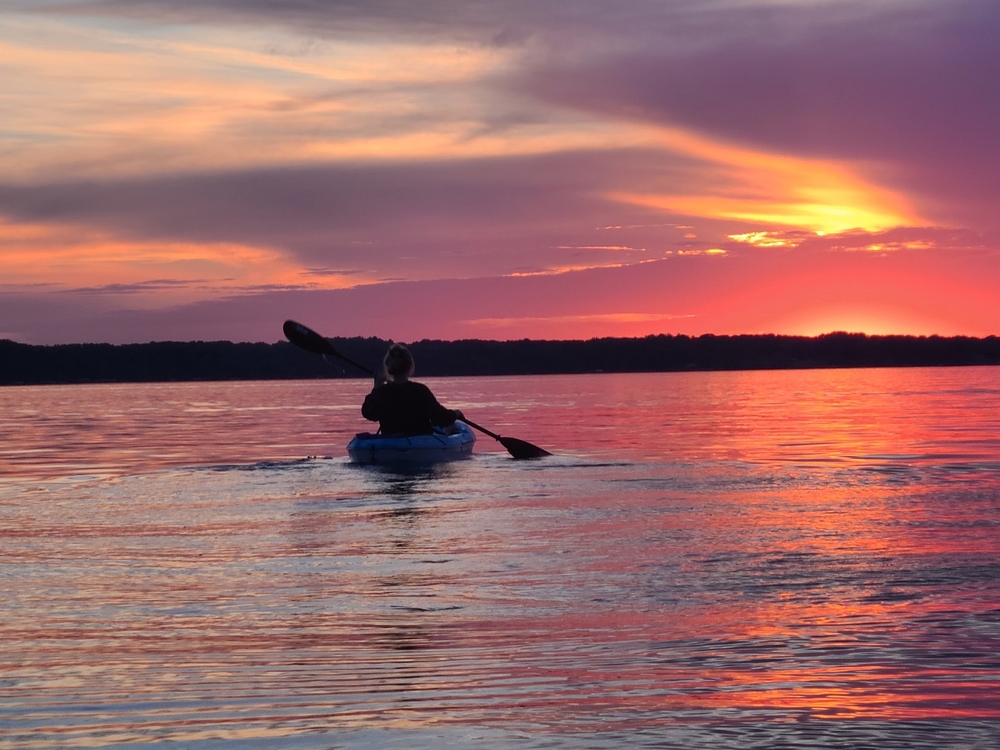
pixel 350 361
pixel 481 429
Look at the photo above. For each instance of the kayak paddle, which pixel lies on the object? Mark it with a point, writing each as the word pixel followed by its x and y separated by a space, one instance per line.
pixel 516 448
pixel 306 338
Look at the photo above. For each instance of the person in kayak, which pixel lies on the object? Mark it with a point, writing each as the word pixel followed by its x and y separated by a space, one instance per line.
pixel 400 406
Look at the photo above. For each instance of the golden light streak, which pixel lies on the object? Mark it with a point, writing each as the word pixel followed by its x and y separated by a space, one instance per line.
pixel 466 141
pixel 765 188
pixel 557 270
pixel 710 251
pixel 891 247
pixel 761 239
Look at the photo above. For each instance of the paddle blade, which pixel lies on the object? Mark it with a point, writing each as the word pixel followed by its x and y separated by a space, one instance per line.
pixel 516 448
pixel 522 449
pixel 307 339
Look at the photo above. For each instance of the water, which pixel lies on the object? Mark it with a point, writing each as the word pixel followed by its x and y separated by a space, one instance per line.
pixel 800 559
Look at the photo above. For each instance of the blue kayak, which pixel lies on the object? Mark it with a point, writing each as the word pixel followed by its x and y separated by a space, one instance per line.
pixel 446 444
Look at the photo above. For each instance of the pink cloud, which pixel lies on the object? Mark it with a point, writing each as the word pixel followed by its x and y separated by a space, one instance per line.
pixel 751 290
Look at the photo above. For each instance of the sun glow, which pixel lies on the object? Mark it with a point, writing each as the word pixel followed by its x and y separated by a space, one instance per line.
pixel 764 188
pixel 870 319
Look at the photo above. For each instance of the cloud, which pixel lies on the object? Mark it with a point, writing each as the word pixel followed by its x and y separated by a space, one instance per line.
pixel 465 218
pixel 497 22
pixel 88 258
pixel 423 220
pixel 98 99
pixel 287 151
pixel 903 90
pixel 752 290
pixel 896 239
pixel 140 287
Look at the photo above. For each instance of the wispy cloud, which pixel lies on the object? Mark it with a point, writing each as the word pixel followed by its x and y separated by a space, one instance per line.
pixel 896 239
pixel 96 99
pixel 87 261
pixel 141 287
pixel 612 248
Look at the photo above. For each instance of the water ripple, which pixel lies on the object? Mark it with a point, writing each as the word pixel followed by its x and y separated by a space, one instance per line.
pixel 756 564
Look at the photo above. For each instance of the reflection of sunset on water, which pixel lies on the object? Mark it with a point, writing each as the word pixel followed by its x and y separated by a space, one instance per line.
pixel 709 559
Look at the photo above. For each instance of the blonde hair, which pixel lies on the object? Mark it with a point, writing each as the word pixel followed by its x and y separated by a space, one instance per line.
pixel 398 362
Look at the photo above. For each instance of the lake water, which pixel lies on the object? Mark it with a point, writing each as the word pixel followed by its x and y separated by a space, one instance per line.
pixel 806 559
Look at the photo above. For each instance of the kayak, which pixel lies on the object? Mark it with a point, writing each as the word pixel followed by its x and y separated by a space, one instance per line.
pixel 442 445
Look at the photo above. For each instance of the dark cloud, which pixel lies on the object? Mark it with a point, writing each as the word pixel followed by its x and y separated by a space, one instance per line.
pixel 484 216
pixel 141 287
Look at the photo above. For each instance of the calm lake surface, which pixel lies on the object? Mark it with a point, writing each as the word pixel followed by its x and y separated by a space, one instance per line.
pixel 806 559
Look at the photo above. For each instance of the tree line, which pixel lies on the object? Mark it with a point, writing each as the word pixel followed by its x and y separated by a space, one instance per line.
pixel 24 364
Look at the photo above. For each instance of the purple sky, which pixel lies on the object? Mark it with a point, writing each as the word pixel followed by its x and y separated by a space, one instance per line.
pixel 204 170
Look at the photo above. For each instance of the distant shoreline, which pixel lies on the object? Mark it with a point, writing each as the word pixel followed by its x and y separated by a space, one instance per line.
pixel 25 364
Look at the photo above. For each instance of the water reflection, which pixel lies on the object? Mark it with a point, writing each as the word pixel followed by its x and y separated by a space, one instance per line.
pixel 773 560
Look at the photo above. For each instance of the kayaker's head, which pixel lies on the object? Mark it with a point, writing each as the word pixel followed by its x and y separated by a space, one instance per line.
pixel 398 363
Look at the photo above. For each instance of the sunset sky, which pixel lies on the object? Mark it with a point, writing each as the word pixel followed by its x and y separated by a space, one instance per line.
pixel 205 169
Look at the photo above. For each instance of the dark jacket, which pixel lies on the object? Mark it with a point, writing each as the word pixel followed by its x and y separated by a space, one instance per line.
pixel 405 409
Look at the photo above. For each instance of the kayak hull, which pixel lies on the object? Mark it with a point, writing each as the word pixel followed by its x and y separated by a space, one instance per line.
pixel 456 444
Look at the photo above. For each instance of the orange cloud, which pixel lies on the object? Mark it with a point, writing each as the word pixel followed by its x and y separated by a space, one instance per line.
pixel 764 188
pixel 96 101
pixel 153 273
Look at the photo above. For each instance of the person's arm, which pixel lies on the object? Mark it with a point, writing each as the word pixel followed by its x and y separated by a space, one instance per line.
pixel 439 416
pixel 374 405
